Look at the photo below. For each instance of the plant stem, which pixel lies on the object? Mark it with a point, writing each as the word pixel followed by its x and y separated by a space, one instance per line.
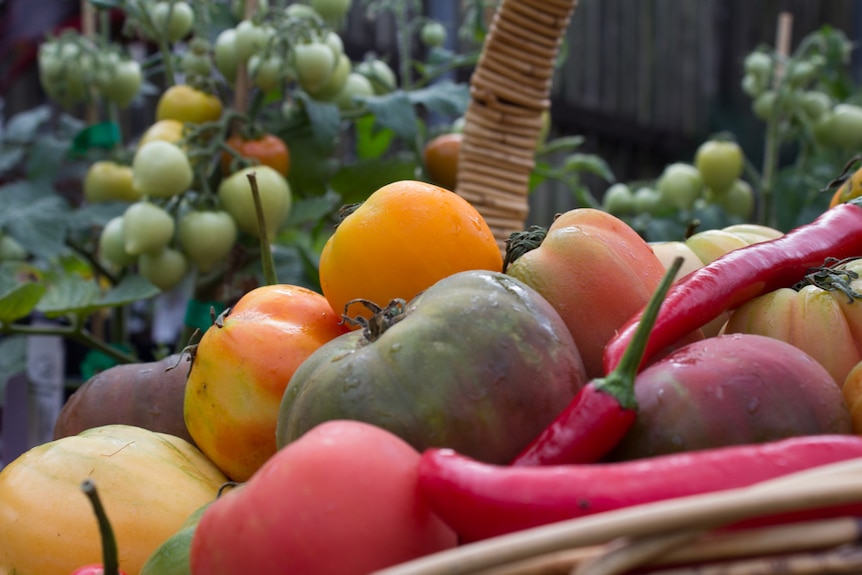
pixel 266 259
pixel 74 333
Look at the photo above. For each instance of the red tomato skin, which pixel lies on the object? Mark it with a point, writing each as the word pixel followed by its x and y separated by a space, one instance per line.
pixel 341 500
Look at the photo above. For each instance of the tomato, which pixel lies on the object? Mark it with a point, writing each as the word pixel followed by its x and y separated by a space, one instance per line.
pixel 236 197
pixel 195 64
pixel 331 10
pixel 433 34
pixel 314 63
pixel 851 188
pixel 720 163
pixel 146 228
pixel 764 105
pixel 337 80
pixel 161 169
pixel 148 482
pixel 225 56
pixel 334 41
pixel 251 39
pixel 266 73
pixel 122 82
pixel 165 130
pixel 619 200
pixel 479 362
pixel 186 104
pixel 406 236
pixel 173 19
pixel 297 517
pixel 852 391
pixel 241 368
pixel 737 200
pixel 268 150
pixel 582 245
pixel 207 237
pixel 382 76
pixel 107 181
pixel 815 104
pixel 842 127
pixel 759 64
pixel 647 200
pixel 441 159
pixel 165 268
pixel 825 324
pixel 680 184
pixel 355 88
pixel 112 246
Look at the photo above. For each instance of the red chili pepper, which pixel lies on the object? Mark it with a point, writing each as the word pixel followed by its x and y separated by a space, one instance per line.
pixel 743 274
pixel 480 500
pixel 604 409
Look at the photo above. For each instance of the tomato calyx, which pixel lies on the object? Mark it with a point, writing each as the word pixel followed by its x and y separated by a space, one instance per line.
pixel 382 318
pixel 345 211
pixel 522 242
pixel 832 276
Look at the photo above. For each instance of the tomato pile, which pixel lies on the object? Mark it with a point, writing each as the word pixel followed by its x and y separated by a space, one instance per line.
pixel 434 391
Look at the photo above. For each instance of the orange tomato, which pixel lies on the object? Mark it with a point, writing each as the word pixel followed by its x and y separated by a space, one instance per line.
pixel 596 271
pixel 441 159
pixel 852 188
pixel 268 150
pixel 242 367
pixel 186 104
pixel 406 236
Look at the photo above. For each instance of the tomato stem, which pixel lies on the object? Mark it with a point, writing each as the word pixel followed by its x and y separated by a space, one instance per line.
pixel 267 262
pixel 110 562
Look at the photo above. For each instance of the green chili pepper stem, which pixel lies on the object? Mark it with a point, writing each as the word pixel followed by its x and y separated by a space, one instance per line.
pixel 620 382
pixel 110 562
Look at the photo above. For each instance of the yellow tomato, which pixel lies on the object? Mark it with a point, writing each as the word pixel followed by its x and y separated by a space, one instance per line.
pixel 165 130
pixel 186 104
pixel 406 236
pixel 109 181
pixel 148 483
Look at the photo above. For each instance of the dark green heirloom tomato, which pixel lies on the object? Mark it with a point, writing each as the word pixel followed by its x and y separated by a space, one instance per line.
pixel 479 362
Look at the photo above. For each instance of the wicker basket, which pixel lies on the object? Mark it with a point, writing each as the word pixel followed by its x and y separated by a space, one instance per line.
pixel 509 93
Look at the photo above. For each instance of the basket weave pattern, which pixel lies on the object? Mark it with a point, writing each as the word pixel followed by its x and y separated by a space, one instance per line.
pixel 509 93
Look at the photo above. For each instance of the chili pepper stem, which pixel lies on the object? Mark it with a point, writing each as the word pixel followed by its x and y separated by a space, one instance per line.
pixel 110 561
pixel 620 382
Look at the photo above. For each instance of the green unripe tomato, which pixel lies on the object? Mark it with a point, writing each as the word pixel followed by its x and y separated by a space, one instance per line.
pixel 433 34
pixel 843 127
pixel 195 64
pixel 619 200
pixel 764 106
pixel 336 81
pixel 314 63
pixel 720 163
pixel 266 73
pixel 123 83
pixel 237 200
pixel 147 228
pixel 679 185
pixel 815 104
pixel 646 200
pixel 382 76
pixel 112 246
pixel 207 237
pixel 759 64
pixel 175 23
pixel 251 39
pixel 331 10
pixel 164 269
pixel 737 200
pixel 356 86
pixel 161 169
pixel 225 55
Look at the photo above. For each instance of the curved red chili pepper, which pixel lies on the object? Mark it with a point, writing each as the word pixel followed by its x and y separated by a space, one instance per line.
pixel 480 500
pixel 605 409
pixel 741 275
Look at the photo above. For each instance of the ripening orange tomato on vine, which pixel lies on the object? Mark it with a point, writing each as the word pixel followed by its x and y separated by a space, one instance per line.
pixel 441 159
pixel 851 188
pixel 406 236
pixel 268 150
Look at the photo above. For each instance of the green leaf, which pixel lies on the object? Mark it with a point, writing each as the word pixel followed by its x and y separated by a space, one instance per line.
pixel 445 97
pixel 10 158
pixel 131 288
pixel 313 209
pixel 358 181
pixel 69 294
pixel 23 127
pixel 395 111
pixel 95 215
pixel 17 299
pixel 46 158
pixel 589 163
pixel 564 144
pixel 371 141
pixel 325 120
pixel 40 226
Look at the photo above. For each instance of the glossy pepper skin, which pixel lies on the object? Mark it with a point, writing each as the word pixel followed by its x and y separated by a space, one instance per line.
pixel 743 274
pixel 480 500
pixel 604 410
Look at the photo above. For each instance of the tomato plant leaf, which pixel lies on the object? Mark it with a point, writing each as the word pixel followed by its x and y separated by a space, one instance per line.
pixel 130 289
pixel 40 224
pixel 23 127
pixel 371 141
pixel 589 163
pixel 68 294
pixel 95 215
pixel 10 157
pixel 17 299
pixel 313 209
pixel 46 157
pixel 358 181
pixel 445 97
pixel 395 111
pixel 325 120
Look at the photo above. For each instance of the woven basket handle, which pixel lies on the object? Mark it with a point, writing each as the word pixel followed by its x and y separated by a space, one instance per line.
pixel 509 94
